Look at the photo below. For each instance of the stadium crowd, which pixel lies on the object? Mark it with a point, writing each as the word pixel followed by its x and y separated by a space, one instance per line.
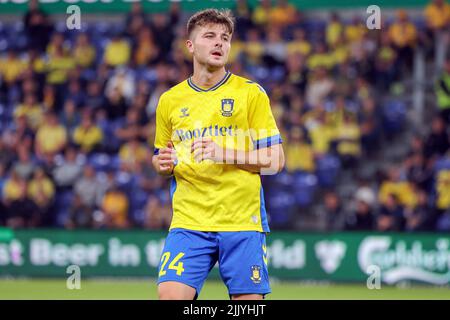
pixel 77 116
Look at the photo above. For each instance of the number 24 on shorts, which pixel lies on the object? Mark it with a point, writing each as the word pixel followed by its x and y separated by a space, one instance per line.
pixel 173 265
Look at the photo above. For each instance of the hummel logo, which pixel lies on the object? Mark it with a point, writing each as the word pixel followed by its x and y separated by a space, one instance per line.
pixel 184 112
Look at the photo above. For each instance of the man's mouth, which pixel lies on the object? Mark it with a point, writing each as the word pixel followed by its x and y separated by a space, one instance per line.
pixel 217 53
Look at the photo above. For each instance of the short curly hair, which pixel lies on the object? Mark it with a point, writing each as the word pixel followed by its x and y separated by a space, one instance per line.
pixel 211 16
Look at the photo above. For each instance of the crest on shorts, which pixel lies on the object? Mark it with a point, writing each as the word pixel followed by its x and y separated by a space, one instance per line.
pixel 256 274
pixel 227 107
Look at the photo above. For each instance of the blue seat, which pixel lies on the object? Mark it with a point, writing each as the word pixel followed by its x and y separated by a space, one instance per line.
pixel 304 187
pixel 63 202
pixel 100 161
pixel 327 170
pixel 279 207
pixel 442 164
pixel 394 116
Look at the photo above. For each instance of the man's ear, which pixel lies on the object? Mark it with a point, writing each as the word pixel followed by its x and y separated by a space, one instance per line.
pixel 190 46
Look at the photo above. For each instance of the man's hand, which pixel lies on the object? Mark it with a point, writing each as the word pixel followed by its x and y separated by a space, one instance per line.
pixel 165 160
pixel 206 148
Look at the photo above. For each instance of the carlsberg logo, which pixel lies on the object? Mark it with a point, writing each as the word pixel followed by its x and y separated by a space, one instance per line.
pixel 398 261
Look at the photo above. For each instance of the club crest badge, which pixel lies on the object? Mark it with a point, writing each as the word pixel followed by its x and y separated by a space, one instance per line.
pixel 256 274
pixel 227 107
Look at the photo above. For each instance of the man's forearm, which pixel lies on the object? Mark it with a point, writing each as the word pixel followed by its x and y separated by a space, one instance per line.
pixel 271 159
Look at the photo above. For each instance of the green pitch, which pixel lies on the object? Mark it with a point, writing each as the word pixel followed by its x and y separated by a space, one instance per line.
pixel 214 290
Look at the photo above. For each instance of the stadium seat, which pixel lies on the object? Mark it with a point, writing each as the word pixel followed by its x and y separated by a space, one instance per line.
pixel 442 164
pixel 279 207
pixel 100 161
pixel 394 116
pixel 327 170
pixel 304 187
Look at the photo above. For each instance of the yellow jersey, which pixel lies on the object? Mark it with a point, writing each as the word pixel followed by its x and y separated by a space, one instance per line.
pixel 236 114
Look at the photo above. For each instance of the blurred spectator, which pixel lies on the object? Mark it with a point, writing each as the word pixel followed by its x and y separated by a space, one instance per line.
pixel 362 218
pixel 347 138
pixel 370 126
pixel 115 104
pixel 6 154
pixel 243 16
pixel 87 187
pixel 403 35
pixel 157 216
pixel 115 209
pixel 75 93
pixel 69 170
pixel 58 66
pixel 94 97
pixel 122 83
pixel 22 211
pixel 84 52
pixel 442 191
pixel 146 50
pixel 419 171
pixel 282 14
pixel 19 134
pixel 57 44
pixel 117 51
pixel 275 48
pixel 37 26
pixel 69 117
pixel 11 69
pixel 132 154
pixel 253 47
pixel 385 59
pixel 320 58
pixel 50 99
pixel 87 135
pixel 418 219
pixel 51 137
pixel 135 19
pixel 162 25
pixel 107 182
pixel 334 30
pixel 299 44
pixel 131 128
pixel 397 190
pixel 3 179
pixel 261 15
pixel 438 142
pixel 80 215
pixel 299 154
pixel 437 17
pixel 320 85
pixel 391 215
pixel 355 30
pixel 24 165
pixel 442 91
pixel 13 187
pixel 32 110
pixel 333 212
pixel 42 191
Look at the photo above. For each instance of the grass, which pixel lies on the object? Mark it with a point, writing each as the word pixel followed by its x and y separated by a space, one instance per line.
pixel 55 289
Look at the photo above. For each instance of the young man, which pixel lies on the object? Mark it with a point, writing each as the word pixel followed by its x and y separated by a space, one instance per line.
pixel 215 135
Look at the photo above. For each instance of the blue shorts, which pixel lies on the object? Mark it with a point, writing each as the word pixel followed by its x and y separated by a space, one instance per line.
pixel 188 257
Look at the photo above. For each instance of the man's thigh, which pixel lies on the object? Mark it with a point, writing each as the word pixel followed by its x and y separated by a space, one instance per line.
pixel 243 262
pixel 187 257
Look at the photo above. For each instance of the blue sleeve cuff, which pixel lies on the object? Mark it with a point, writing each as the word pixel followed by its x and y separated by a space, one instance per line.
pixel 267 142
pixel 156 151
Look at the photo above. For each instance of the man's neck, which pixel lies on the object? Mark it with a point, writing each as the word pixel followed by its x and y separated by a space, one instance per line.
pixel 206 79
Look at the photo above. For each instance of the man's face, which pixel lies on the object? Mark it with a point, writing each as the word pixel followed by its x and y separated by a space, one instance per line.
pixel 210 45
